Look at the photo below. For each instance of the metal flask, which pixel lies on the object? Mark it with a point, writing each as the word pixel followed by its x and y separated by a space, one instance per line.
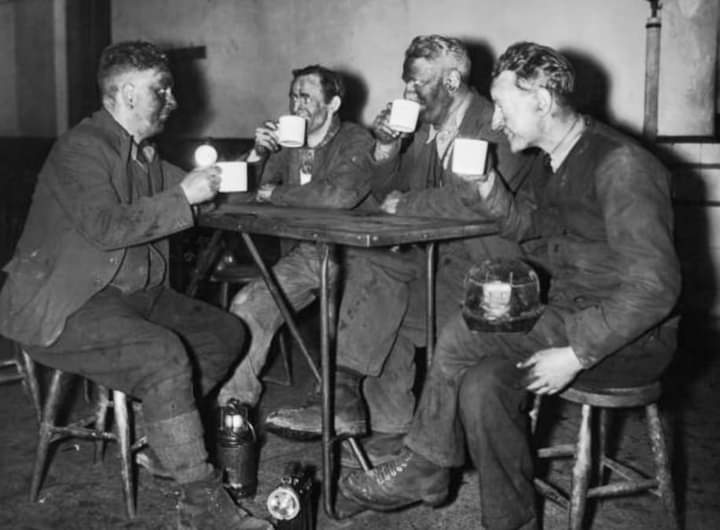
pixel 237 449
pixel 290 504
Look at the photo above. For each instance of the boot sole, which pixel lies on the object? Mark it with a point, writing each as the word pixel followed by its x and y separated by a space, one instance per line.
pixel 433 500
pixel 292 434
pixel 295 434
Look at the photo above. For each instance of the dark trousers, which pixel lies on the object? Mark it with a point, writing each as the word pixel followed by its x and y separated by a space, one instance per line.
pixel 473 392
pixel 382 320
pixel 157 345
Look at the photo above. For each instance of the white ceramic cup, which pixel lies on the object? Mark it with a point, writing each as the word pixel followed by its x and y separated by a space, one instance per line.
pixel 404 115
pixel 469 156
pixel 233 176
pixel 291 131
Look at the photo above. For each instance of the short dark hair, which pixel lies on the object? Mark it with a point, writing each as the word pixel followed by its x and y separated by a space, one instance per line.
pixel 127 56
pixel 538 66
pixel 331 82
pixel 432 47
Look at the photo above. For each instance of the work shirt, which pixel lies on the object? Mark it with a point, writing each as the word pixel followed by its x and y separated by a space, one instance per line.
pixel 334 174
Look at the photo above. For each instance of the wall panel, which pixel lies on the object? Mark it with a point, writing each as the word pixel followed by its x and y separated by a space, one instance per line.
pixel 253 44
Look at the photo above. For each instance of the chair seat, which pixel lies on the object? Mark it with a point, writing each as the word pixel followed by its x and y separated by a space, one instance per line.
pixel 636 396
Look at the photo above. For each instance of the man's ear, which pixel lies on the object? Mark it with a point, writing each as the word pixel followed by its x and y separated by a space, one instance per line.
pixel 127 94
pixel 544 100
pixel 452 81
pixel 335 103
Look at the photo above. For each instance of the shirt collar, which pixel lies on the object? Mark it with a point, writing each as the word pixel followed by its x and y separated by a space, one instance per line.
pixel 143 152
pixel 562 149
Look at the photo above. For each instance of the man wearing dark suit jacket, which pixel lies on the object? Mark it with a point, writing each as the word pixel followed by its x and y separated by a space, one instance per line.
pixel 87 290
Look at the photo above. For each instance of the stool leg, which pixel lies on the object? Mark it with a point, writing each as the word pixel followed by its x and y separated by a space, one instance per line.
pixel 122 426
pixel 602 442
pixel 101 408
pixel 58 384
pixel 662 465
pixel 581 469
pixel 31 383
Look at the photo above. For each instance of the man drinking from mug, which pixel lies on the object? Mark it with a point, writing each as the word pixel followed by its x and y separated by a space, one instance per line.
pixel 332 170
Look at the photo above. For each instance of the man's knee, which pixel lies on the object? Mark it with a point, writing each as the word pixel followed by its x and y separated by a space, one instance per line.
pixel 165 357
pixel 491 382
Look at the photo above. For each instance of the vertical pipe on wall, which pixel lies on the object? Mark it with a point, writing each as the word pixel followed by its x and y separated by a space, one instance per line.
pixel 60 63
pixel 652 71
pixel 716 125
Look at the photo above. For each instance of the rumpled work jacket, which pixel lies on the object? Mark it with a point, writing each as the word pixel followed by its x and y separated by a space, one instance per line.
pixel 79 226
pixel 340 171
pixel 433 190
pixel 604 221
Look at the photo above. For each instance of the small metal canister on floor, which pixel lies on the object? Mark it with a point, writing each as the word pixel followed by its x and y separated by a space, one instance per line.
pixel 290 504
pixel 237 449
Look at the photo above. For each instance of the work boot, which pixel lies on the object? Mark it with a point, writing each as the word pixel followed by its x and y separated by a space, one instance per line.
pixel 379 447
pixel 406 480
pixel 306 422
pixel 205 505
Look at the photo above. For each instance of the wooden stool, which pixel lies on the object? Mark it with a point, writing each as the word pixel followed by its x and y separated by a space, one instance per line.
pixel 584 464
pixel 228 272
pixel 50 432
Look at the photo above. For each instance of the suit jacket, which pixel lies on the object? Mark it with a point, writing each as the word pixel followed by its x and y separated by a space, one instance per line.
pixel 79 226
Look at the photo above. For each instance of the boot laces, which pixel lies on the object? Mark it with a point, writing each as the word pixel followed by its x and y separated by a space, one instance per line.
pixel 389 470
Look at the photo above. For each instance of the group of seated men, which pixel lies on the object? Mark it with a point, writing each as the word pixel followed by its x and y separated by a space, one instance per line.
pixel 87 290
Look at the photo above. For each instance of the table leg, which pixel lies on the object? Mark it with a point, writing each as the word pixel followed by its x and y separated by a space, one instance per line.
pixel 328 427
pixel 430 300
pixel 280 301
